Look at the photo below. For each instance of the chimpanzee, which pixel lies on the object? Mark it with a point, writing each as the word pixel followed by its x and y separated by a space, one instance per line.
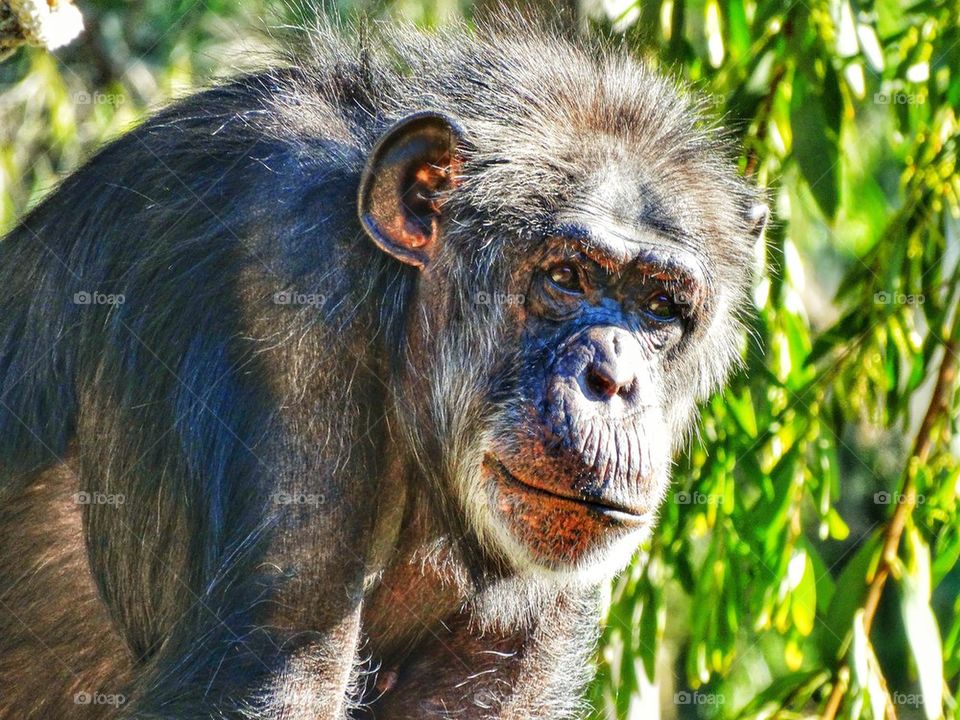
pixel 339 390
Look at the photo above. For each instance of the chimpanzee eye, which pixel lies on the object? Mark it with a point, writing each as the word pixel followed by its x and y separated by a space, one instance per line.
pixel 661 306
pixel 565 277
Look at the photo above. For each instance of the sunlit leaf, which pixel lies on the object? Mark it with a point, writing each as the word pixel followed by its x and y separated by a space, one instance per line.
pixel 922 631
pixel 803 600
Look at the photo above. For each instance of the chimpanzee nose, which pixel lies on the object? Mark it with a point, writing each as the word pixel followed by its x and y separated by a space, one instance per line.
pixel 613 369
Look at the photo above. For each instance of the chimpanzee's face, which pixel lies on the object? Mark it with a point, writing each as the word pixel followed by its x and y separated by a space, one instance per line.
pixel 580 460
pixel 578 376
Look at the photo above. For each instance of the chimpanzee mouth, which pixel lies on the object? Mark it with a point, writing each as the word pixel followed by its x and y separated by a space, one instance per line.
pixel 611 512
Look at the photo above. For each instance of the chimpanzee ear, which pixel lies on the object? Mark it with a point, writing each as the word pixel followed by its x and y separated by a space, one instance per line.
pixel 412 163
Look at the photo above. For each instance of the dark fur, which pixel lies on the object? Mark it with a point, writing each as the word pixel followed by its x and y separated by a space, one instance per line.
pixel 199 398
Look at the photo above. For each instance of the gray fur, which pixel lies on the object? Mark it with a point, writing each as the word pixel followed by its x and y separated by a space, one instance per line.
pixel 201 399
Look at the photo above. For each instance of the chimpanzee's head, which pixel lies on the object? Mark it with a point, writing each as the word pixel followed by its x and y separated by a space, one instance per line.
pixel 583 249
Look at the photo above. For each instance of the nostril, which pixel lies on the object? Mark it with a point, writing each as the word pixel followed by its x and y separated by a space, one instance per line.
pixel 600 384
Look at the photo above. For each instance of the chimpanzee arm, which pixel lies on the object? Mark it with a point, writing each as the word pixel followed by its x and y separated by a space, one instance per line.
pixel 535 672
pixel 240 450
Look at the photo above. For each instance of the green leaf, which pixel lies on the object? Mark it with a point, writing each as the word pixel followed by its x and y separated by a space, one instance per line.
pixel 837 527
pixel 867 681
pixel 651 627
pixel 803 600
pixel 947 554
pixel 815 148
pixel 843 331
pixel 737 23
pixel 922 631
pixel 781 690
pixel 848 595
pixel 742 410
pixel 890 16
pixel 860 651
pixel 870 46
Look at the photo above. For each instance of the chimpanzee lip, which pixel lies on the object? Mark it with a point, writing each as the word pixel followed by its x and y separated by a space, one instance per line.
pixel 609 511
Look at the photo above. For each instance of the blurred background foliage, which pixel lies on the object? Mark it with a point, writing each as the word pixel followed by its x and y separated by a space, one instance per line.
pixel 806 563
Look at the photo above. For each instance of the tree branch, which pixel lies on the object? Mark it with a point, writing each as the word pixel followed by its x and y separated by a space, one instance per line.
pixel 906 501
